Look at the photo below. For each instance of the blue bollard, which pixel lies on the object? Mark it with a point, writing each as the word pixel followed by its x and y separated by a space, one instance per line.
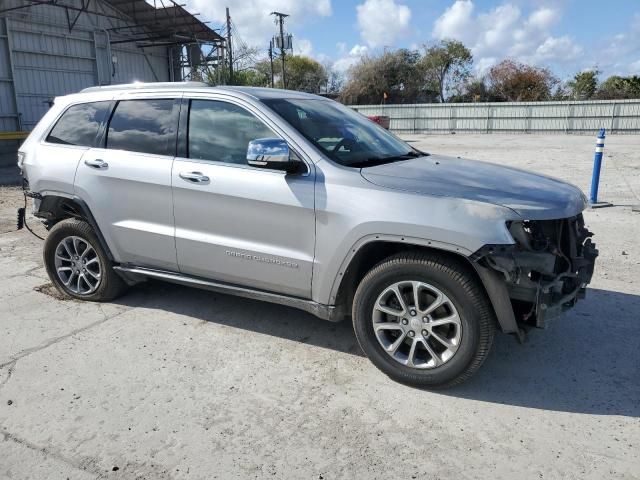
pixel 597 164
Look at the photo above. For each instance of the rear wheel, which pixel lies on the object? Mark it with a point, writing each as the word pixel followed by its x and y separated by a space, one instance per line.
pixel 423 320
pixel 77 265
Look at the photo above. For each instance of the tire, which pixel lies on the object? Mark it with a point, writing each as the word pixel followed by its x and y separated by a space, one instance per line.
pixel 452 341
pixel 99 282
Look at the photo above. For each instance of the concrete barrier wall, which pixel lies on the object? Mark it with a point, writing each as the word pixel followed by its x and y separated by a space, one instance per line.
pixel 619 116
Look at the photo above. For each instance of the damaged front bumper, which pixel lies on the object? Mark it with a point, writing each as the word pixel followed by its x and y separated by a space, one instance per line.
pixel 546 271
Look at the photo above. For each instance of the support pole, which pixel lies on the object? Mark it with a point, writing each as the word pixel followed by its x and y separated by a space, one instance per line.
pixel 597 165
pixel 271 60
pixel 282 50
pixel 229 48
pixel 280 20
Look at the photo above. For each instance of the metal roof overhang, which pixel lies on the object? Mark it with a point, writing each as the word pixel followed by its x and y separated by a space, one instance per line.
pixel 166 25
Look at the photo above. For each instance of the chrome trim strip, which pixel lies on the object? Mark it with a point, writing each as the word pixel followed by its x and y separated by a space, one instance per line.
pixel 325 312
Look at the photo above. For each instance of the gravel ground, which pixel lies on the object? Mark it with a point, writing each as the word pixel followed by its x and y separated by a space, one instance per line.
pixel 169 382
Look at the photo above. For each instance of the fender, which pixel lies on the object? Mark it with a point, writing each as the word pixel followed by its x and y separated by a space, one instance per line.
pixel 491 281
pixel 52 207
pixel 397 239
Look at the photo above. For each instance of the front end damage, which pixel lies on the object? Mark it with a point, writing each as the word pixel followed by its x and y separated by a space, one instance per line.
pixel 546 271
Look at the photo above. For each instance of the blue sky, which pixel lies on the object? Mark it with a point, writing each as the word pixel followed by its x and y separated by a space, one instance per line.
pixel 564 35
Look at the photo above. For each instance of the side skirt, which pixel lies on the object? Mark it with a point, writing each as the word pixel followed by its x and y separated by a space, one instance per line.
pixel 325 312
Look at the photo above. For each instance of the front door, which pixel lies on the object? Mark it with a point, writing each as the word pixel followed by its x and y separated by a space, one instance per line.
pixel 235 223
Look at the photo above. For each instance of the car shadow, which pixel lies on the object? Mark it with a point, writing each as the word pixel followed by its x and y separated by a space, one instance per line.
pixel 251 315
pixel 587 361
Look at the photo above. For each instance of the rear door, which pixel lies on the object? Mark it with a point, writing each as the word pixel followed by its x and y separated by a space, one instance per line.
pixel 236 223
pixel 75 131
pixel 127 180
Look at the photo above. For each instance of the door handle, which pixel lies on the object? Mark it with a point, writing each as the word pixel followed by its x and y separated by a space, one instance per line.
pixel 194 177
pixel 96 163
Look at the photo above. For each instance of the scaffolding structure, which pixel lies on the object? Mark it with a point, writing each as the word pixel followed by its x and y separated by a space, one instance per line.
pixel 197 51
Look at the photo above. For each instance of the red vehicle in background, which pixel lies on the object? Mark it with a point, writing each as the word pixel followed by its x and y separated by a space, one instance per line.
pixel 381 120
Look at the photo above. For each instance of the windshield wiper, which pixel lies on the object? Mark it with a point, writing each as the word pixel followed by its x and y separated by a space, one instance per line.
pixel 373 161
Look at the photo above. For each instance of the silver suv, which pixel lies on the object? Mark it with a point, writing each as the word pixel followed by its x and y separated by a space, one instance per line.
pixel 296 199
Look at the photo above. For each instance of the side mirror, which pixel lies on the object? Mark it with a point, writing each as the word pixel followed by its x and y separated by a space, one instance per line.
pixel 270 153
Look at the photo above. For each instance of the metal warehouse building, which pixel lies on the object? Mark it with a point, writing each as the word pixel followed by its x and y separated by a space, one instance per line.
pixel 55 47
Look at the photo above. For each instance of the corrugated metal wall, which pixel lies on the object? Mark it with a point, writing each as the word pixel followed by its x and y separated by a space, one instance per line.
pixel 8 109
pixel 48 60
pixel 620 116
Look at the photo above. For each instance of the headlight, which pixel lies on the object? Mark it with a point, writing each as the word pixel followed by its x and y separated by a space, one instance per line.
pixel 21 157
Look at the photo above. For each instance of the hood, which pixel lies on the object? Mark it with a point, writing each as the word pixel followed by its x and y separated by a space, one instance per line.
pixel 530 195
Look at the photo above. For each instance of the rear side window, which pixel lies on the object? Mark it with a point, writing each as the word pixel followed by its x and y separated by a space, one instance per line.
pixel 146 126
pixel 79 125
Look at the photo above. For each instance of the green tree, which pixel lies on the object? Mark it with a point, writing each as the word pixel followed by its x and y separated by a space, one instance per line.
pixel 511 81
pixel 446 67
pixel 561 94
pixel 335 80
pixel 474 90
pixel 305 74
pixel 251 78
pixel 584 84
pixel 391 77
pixel 244 69
pixel 616 87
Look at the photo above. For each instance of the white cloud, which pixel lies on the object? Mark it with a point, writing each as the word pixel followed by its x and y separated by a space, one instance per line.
pixel 553 48
pixel 252 17
pixel 358 50
pixel 345 62
pixel 456 22
pixel 621 52
pixel 635 23
pixel 483 64
pixel 543 18
pixel 382 21
pixel 498 27
pixel 302 46
pixel 504 32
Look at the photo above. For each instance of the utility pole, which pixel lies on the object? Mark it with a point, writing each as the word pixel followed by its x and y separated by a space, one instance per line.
pixel 271 60
pixel 280 19
pixel 229 48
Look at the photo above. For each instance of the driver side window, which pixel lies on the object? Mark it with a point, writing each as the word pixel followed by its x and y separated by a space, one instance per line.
pixel 221 131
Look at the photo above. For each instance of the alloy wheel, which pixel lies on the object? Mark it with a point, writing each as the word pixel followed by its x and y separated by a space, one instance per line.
pixel 417 324
pixel 77 265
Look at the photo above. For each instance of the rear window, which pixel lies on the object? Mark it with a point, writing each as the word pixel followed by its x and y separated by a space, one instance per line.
pixel 79 125
pixel 146 126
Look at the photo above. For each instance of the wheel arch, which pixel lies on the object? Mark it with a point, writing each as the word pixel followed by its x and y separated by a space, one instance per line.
pixel 367 254
pixel 55 208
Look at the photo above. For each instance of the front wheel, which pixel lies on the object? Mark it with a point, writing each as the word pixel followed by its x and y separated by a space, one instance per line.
pixel 423 320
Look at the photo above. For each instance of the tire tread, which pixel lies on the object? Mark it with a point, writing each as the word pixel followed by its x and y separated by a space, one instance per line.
pixel 112 285
pixel 464 276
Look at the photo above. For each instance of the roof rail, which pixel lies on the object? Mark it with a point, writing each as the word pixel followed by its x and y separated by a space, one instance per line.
pixel 151 85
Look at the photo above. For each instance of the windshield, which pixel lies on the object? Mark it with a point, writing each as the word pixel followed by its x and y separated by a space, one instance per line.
pixel 346 136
